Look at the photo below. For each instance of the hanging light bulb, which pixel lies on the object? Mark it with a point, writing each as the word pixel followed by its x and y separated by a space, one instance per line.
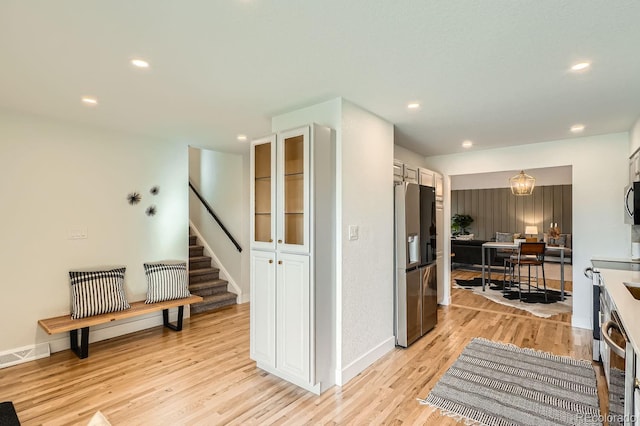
pixel 522 184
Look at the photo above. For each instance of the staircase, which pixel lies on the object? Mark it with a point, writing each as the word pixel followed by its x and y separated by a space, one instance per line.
pixel 204 280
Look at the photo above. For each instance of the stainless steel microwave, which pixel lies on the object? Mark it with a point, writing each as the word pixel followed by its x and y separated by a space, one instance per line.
pixel 632 204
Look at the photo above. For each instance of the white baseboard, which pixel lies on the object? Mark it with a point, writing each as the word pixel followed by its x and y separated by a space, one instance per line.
pixel 24 354
pixel 364 361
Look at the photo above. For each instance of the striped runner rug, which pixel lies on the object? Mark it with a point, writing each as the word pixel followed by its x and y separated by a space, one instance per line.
pixel 499 384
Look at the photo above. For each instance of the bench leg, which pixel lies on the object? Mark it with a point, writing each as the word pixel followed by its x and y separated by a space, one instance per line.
pixel 165 319
pixel 81 351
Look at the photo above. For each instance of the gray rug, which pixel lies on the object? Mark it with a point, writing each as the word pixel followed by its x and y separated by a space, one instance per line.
pixel 498 384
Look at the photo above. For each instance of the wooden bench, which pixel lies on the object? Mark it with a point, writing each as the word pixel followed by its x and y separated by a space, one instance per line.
pixel 66 323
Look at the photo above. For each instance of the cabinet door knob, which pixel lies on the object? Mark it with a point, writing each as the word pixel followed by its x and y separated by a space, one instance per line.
pixel 270 240
pixel 279 262
pixel 279 241
pixel 270 260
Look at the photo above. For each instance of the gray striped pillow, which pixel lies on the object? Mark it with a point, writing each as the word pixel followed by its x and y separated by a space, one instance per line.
pixel 166 281
pixel 97 292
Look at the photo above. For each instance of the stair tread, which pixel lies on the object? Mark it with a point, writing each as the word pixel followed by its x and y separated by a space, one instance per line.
pixel 202 271
pixel 195 246
pixel 207 284
pixel 199 257
pixel 216 298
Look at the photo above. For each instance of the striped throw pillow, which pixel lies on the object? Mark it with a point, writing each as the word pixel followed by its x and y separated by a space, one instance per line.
pixel 97 292
pixel 166 281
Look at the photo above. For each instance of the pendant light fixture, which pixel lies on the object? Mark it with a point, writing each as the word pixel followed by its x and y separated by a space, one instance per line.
pixel 522 184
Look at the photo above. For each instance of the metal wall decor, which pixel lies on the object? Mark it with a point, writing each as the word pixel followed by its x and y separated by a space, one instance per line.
pixel 134 198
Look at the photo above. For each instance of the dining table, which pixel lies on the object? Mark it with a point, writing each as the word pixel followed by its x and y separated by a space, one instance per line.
pixel 486 260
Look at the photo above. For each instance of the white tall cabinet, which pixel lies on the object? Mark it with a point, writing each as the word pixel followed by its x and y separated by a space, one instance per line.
pixel 292 267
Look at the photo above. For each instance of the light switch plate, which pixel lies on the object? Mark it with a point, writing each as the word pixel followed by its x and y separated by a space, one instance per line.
pixel 353 232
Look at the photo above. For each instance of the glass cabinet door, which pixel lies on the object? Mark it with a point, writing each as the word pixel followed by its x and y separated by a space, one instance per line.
pixel 293 232
pixel 263 180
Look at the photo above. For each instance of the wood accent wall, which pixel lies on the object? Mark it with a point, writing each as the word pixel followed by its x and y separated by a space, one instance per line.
pixel 498 210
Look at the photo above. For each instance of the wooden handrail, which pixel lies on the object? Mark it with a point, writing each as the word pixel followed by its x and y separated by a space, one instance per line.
pixel 215 217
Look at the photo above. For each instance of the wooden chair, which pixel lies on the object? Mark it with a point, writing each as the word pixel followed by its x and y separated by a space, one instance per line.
pixel 529 254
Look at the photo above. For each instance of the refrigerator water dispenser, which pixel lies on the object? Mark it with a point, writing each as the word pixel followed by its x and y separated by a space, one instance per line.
pixel 413 243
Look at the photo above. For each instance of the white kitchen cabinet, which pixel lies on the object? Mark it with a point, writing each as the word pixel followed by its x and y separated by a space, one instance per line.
pixel 263 193
pixel 410 174
pixel 292 170
pixel 426 177
pixel 263 307
pixel 439 187
pixel 291 274
pixel 636 393
pixel 634 167
pixel 398 171
pixel 293 320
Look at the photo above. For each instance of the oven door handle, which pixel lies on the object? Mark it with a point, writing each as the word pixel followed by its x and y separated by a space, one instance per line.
pixel 607 338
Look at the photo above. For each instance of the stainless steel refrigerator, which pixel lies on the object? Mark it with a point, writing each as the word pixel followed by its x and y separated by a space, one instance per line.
pixel 416 290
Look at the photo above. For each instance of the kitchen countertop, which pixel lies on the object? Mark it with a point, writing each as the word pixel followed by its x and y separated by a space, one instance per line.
pixel 627 307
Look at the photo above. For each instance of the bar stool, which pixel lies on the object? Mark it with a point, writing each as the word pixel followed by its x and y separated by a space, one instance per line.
pixel 529 254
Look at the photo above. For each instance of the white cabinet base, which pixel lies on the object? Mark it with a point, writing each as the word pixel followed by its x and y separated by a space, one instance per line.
pixel 316 388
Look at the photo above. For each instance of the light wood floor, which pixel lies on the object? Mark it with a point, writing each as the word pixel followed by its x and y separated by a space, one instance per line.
pixel 203 375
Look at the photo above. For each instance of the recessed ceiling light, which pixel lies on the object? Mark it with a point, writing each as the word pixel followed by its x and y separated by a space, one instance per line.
pixel 88 100
pixel 467 144
pixel 241 138
pixel 577 128
pixel 581 66
pixel 413 105
pixel 140 63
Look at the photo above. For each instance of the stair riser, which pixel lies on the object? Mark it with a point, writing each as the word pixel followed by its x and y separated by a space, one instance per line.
pixel 209 291
pixel 196 251
pixel 200 264
pixel 193 240
pixel 206 307
pixel 210 276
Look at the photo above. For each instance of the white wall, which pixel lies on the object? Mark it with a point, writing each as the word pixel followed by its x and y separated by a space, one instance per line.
pixel 600 172
pixel 220 179
pixel 544 177
pixel 364 197
pixel 367 263
pixel 56 178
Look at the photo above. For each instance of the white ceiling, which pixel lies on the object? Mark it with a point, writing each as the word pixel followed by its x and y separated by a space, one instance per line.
pixel 495 72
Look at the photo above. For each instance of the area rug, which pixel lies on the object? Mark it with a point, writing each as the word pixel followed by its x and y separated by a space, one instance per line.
pixel 533 303
pixel 494 383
